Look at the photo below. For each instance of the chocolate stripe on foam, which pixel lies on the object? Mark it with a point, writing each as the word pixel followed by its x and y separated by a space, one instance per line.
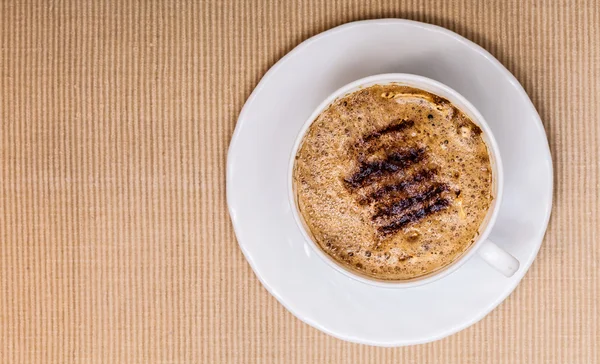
pixel 399 187
pixel 369 171
pixel 405 204
pixel 437 205
pixel 396 127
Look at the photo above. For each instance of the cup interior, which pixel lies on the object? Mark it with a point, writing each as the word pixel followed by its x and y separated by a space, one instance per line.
pixel 461 103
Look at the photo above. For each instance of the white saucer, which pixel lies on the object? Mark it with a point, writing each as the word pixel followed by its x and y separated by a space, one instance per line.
pixel 257 191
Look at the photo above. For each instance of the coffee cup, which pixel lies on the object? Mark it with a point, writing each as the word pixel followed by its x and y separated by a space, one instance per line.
pixel 495 256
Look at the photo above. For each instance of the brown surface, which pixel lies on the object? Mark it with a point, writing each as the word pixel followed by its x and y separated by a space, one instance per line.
pixel 115 244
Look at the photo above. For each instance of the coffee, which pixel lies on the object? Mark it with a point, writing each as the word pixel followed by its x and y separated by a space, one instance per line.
pixel 393 182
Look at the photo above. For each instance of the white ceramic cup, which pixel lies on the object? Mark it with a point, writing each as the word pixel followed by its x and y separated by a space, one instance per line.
pixel 490 252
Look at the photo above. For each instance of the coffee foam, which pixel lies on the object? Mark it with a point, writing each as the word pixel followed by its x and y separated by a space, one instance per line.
pixel 393 182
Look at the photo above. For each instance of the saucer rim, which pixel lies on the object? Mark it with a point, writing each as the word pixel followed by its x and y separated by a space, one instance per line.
pixel 241 124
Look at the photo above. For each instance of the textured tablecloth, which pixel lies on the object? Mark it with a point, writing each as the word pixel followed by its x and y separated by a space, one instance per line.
pixel 115 242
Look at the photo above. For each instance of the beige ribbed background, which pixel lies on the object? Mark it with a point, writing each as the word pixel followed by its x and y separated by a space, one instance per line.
pixel 115 243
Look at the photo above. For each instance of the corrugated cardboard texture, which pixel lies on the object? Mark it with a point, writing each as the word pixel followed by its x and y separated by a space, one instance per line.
pixel 115 242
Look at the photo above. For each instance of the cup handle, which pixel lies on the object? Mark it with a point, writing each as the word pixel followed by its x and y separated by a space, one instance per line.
pixel 498 258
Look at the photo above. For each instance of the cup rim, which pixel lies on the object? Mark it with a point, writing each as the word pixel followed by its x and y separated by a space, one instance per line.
pixel 435 87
